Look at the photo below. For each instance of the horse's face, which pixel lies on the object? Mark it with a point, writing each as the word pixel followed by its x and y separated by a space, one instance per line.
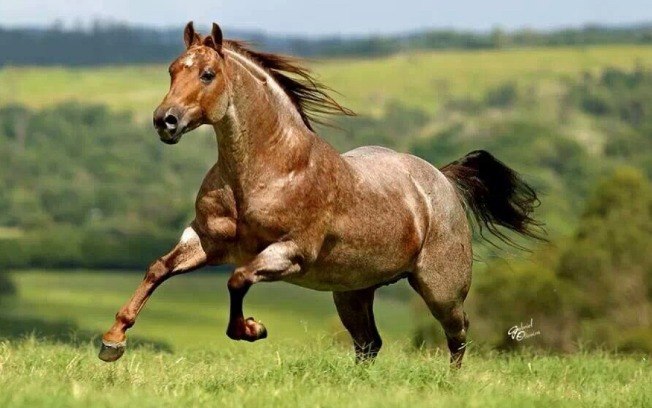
pixel 197 94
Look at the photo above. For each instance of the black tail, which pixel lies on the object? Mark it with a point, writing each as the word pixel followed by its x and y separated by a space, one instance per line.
pixel 496 195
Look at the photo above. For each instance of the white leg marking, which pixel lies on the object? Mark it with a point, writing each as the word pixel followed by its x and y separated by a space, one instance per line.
pixel 189 235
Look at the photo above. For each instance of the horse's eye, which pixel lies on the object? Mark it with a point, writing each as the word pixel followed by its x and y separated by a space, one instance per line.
pixel 207 76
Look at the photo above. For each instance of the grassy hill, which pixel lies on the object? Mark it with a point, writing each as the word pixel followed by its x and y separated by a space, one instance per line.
pixel 416 79
pixel 561 116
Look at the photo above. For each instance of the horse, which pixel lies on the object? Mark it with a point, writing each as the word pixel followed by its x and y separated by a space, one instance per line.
pixel 281 204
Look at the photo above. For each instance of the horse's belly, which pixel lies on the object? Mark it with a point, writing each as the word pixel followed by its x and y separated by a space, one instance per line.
pixel 360 262
pixel 332 278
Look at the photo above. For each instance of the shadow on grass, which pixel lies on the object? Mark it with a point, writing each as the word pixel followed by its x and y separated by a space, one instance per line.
pixel 14 328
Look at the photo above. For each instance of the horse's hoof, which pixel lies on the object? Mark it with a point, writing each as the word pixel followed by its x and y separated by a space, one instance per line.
pixel 255 330
pixel 111 351
pixel 249 330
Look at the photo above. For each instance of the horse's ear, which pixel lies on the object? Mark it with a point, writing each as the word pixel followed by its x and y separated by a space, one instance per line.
pixel 190 37
pixel 216 39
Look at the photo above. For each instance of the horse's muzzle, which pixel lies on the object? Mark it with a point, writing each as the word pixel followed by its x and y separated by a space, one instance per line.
pixel 169 124
pixel 169 138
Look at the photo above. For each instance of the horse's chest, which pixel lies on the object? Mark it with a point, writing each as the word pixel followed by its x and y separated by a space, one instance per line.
pixel 215 213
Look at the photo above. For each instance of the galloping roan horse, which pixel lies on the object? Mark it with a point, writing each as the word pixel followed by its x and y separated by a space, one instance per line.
pixel 282 204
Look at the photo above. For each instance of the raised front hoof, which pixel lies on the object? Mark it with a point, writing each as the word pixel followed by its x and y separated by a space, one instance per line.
pixel 254 330
pixel 110 351
pixel 249 330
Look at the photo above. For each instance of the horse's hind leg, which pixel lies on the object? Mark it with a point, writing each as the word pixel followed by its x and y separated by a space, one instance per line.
pixel 355 309
pixel 442 279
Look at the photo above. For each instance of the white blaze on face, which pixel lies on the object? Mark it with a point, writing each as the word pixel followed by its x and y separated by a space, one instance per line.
pixel 189 235
pixel 189 61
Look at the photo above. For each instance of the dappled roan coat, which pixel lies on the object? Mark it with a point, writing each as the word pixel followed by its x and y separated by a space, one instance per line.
pixel 282 204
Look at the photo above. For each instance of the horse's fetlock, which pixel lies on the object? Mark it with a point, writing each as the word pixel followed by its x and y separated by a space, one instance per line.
pixel 238 280
pixel 126 320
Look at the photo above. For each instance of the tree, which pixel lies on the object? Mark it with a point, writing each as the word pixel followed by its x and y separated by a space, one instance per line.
pixel 7 287
pixel 526 292
pixel 499 37
pixel 608 262
pixel 594 289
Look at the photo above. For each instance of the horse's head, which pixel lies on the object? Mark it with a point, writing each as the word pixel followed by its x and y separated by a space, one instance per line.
pixel 197 94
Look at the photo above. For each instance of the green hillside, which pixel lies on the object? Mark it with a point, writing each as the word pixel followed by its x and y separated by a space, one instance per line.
pixel 416 79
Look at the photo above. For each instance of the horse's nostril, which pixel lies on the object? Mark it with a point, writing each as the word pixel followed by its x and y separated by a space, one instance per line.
pixel 171 121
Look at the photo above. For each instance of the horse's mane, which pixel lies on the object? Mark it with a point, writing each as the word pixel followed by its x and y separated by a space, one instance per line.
pixel 308 95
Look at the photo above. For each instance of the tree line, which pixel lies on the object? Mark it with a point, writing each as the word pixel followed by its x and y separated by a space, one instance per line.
pixel 112 43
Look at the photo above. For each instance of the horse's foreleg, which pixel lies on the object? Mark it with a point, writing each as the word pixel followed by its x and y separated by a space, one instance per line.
pixel 186 256
pixel 275 262
pixel 355 309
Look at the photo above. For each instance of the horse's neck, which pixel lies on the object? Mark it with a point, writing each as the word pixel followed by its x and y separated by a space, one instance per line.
pixel 261 132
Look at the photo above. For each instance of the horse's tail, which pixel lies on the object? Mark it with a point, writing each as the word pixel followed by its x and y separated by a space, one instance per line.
pixel 496 195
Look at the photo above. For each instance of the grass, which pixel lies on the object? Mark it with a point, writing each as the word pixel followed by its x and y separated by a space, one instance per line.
pixel 179 355
pixel 313 374
pixel 417 79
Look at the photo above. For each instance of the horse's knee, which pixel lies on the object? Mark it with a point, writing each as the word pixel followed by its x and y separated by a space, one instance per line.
pixel 238 280
pixel 156 272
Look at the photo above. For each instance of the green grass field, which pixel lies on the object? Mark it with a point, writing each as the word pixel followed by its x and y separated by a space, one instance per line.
pixel 187 311
pixel 415 79
pixel 312 374
pixel 179 355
